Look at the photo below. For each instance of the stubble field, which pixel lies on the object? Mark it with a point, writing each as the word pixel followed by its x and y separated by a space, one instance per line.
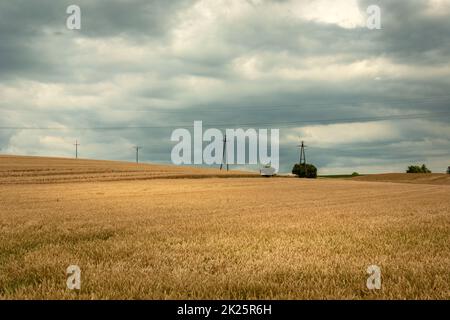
pixel 211 238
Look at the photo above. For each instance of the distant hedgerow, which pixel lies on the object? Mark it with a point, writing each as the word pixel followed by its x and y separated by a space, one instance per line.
pixel 418 169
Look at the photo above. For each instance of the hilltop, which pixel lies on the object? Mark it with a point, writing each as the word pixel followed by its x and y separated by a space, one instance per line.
pixel 31 169
pixel 417 178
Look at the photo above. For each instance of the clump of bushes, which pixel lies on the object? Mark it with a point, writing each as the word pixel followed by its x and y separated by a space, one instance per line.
pixel 355 174
pixel 418 169
pixel 448 170
pixel 299 170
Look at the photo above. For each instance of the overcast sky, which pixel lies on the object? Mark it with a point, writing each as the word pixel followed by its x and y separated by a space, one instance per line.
pixel 309 68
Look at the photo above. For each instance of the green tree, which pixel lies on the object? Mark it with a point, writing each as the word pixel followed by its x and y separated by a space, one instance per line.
pixel 448 170
pixel 299 170
pixel 418 169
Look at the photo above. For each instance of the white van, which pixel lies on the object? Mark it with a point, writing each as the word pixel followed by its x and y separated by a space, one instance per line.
pixel 267 171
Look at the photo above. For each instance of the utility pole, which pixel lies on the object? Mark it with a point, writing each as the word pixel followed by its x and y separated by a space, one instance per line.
pixel 224 153
pixel 76 149
pixel 137 153
pixel 302 155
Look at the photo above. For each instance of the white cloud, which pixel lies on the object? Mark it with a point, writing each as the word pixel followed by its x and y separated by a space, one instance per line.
pixel 438 7
pixel 345 133
pixel 344 13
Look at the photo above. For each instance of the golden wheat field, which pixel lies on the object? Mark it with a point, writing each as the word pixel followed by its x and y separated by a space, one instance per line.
pixel 136 237
pixel 427 178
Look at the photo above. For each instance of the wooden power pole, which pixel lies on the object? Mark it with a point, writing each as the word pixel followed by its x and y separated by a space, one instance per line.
pixel 224 153
pixel 137 152
pixel 76 149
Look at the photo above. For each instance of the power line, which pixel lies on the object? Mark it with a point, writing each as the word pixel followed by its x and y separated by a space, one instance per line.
pixel 280 124
pixel 223 108
pixel 265 108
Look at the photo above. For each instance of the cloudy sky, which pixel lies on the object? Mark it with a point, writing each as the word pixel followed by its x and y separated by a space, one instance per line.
pixel 311 68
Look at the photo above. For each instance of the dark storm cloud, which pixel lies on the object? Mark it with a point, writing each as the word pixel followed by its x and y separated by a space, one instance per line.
pixel 100 18
pixel 409 34
pixel 34 37
pixel 139 18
